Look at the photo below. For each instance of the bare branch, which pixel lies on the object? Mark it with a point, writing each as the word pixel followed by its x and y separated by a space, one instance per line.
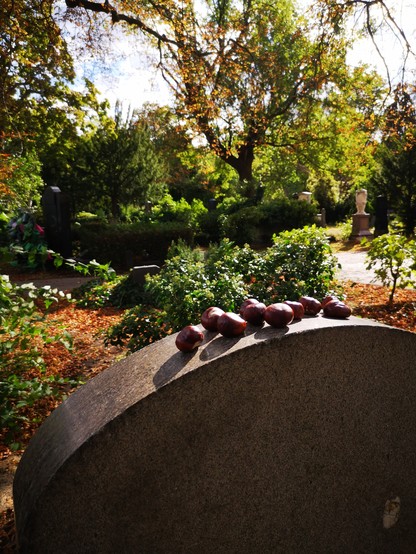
pixel 107 8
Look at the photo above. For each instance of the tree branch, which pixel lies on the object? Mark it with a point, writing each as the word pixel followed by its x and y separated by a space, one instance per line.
pixel 108 9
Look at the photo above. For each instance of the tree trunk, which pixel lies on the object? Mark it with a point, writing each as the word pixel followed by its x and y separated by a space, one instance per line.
pixel 243 164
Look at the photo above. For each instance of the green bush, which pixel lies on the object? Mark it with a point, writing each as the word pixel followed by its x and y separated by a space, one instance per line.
pixel 139 327
pixel 128 245
pixel 298 263
pixel 392 257
pixel 121 292
pixel 23 333
pixel 209 228
pixel 257 224
pixel 187 285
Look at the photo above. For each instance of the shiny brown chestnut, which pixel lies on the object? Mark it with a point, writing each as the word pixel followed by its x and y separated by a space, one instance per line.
pixel 246 303
pixel 278 315
pixel 189 338
pixel 254 313
pixel 311 305
pixel 209 318
pixel 297 307
pixel 231 325
pixel 337 309
pixel 327 299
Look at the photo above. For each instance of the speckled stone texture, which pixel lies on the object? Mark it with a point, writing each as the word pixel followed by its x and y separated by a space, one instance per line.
pixel 282 441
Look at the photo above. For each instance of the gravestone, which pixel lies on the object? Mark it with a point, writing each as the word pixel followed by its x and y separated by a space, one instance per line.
pixel 212 204
pixel 321 218
pixel 57 217
pixel 305 196
pixel 296 440
pixel 139 272
pixel 381 224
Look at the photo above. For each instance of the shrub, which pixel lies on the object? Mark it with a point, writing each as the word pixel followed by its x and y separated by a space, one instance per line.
pixel 298 263
pixel 252 224
pixel 186 286
pixel 139 327
pixel 27 241
pixel 128 245
pixel 121 292
pixel 23 333
pixel 393 259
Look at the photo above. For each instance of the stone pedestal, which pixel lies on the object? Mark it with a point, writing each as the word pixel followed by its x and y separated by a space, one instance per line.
pixel 360 226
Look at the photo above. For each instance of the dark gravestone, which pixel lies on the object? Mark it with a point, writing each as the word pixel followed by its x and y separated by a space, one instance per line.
pixel 381 223
pixel 138 273
pixel 212 204
pixel 299 440
pixel 57 217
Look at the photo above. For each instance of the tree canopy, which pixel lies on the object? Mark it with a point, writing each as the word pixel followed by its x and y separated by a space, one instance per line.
pixel 237 69
pixel 395 175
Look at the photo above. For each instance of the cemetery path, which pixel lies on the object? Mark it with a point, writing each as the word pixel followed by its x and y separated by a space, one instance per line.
pixel 353 268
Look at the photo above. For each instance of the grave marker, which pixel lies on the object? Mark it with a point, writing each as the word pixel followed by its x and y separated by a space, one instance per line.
pixel 292 440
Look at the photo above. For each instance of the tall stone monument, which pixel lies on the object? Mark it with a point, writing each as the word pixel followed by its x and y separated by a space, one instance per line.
pixel 381 224
pixel 361 219
pixel 56 213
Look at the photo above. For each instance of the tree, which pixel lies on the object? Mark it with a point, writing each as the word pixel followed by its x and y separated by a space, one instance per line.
pixel 240 68
pixel 236 68
pixel 20 182
pixel 41 114
pixel 35 66
pixel 396 172
pixel 330 143
pixel 116 164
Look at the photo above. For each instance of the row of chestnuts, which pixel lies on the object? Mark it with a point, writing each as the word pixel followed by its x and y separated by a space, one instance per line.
pixel 253 311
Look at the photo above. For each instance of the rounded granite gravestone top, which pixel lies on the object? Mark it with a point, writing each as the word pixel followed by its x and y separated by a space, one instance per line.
pixel 294 440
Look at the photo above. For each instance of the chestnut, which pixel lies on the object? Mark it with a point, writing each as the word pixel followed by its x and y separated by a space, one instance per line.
pixel 246 303
pixel 297 307
pixel 337 309
pixel 188 338
pixel 254 313
pixel 231 325
pixel 278 315
pixel 210 317
pixel 311 305
pixel 327 299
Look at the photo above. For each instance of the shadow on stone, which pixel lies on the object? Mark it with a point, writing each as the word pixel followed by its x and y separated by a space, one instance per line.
pixel 172 367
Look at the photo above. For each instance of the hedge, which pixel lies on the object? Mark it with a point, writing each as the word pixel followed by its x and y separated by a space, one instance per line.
pixel 126 246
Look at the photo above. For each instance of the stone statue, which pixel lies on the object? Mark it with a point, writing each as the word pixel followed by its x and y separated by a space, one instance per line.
pixel 361 200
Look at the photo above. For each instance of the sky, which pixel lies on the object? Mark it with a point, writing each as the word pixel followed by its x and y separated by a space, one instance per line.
pixel 126 74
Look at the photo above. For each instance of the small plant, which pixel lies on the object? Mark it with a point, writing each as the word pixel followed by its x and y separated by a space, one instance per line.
pixel 299 263
pixel 120 292
pixel 23 334
pixel 27 241
pixel 103 272
pixel 139 327
pixel 392 257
